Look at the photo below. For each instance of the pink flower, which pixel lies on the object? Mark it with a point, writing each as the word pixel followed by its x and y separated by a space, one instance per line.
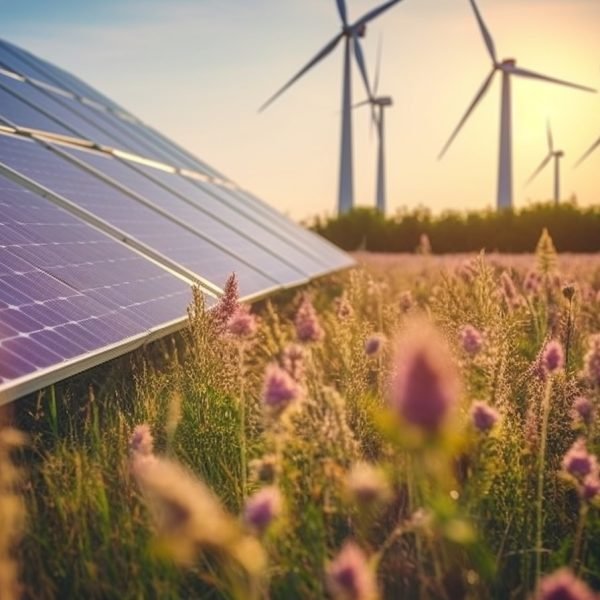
pixel 374 343
pixel 583 410
pixel 424 386
pixel 578 462
pixel 553 358
pixel 308 328
pixel 349 576
pixel 591 361
pixel 563 585
pixel 484 417
pixel 141 441
pixel 471 340
pixel 242 323
pixel 279 389
pixel 262 509
pixel 590 488
pixel 293 361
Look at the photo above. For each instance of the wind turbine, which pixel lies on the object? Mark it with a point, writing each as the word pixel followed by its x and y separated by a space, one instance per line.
pixel 507 67
pixel 379 104
pixel 350 33
pixel 552 154
pixel 593 147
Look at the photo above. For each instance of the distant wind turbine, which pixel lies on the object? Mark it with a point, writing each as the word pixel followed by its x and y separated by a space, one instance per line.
pixel 552 154
pixel 351 34
pixel 379 104
pixel 507 67
pixel 593 147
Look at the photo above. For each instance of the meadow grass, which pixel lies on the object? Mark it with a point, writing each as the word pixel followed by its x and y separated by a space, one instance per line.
pixel 403 430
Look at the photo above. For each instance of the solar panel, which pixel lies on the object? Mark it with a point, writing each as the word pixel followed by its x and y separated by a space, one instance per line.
pixel 98 248
pixel 206 221
pixel 68 290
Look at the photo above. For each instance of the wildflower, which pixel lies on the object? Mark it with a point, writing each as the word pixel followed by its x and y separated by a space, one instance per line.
pixel 591 360
pixel 293 361
pixel 242 322
pixel 308 328
pixel 343 307
pixel 563 585
pixel 227 304
pixel 265 469
pixel 471 340
pixel 406 301
pixel 553 358
pixel 141 441
pixel 484 417
pixel 424 387
pixel 279 389
pixel 532 283
pixel 578 462
pixel 262 509
pixel 568 291
pixel 374 343
pixel 590 487
pixel 349 576
pixel 367 484
pixel 583 410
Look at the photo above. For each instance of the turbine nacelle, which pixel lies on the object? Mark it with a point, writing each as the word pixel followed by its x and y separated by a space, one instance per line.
pixel 507 63
pixel 558 154
pixel 355 31
pixel 383 101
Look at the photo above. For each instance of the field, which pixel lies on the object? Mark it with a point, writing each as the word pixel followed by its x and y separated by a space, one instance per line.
pixel 419 427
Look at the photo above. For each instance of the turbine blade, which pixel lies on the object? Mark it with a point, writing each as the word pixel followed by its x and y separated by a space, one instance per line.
pixel 373 13
pixel 537 171
pixel 549 134
pixel 533 75
pixel 377 68
pixel 320 56
pixel 593 147
pixel 482 90
pixel 362 67
pixel 341 6
pixel 363 103
pixel 487 38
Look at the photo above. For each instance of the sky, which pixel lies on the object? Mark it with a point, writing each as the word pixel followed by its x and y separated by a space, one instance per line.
pixel 198 70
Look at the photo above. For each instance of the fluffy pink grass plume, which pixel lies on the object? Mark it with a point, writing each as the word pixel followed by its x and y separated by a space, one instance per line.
pixel 349 576
pixel 292 360
pixel 367 484
pixel 228 303
pixel 563 585
pixel 483 416
pixel 471 340
pixel 262 508
pixel 279 389
pixel 590 487
pixel 553 357
pixel 242 323
pixel 509 291
pixel 141 440
pixel 308 328
pixel 591 361
pixel 583 410
pixel 424 386
pixel 578 462
pixel 532 283
pixel 374 343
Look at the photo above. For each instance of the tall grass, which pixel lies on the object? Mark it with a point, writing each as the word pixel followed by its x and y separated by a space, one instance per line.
pixel 428 464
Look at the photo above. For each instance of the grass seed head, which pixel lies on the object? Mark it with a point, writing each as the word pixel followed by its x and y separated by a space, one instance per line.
pixel 471 340
pixel 483 416
pixel 141 440
pixel 242 323
pixel 553 357
pixel 308 328
pixel 262 508
pixel 279 389
pixel 578 462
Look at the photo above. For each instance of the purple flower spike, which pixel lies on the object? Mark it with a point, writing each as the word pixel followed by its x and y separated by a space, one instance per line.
pixel 484 417
pixel 471 340
pixel 583 410
pixel 242 323
pixel 308 328
pixel 373 344
pixel 262 509
pixel 279 389
pixel 578 462
pixel 349 576
pixel 141 441
pixel 553 358
pixel 563 585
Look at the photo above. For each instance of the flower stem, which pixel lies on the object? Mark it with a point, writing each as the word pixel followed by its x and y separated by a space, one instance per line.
pixel 242 402
pixel 577 544
pixel 540 482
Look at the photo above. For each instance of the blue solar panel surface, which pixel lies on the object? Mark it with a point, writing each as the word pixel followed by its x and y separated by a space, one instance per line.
pixel 67 289
pixel 203 222
pixel 130 216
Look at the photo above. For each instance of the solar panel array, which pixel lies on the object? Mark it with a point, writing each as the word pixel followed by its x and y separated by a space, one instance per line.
pixel 105 224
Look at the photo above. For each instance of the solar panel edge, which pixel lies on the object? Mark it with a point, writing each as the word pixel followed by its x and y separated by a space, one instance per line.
pixel 16 388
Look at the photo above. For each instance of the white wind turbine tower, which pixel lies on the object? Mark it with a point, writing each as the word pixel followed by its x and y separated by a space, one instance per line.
pixel 507 67
pixel 350 33
pixel 552 154
pixel 379 104
pixel 593 147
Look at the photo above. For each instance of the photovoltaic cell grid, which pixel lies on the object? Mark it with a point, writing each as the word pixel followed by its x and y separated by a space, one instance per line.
pixel 135 220
pixel 67 289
